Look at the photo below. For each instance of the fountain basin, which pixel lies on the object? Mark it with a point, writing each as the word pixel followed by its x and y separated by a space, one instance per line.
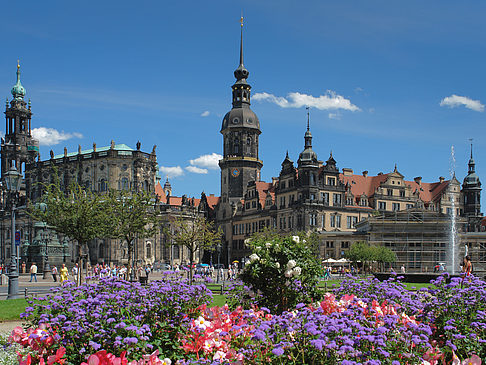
pixel 411 277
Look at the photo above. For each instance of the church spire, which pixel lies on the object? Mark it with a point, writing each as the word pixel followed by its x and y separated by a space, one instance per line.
pixel 471 164
pixel 241 73
pixel 308 135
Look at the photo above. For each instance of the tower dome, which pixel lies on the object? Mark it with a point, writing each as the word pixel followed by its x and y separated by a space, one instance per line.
pixel 18 91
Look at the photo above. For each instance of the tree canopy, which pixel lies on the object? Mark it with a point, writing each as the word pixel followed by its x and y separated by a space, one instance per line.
pixel 194 232
pixel 130 215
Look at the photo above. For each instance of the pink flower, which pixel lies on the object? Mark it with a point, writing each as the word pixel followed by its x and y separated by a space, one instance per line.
pixel 473 360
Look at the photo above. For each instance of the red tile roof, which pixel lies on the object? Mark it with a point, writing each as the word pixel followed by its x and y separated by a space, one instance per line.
pixel 263 188
pixel 367 185
pixel 159 191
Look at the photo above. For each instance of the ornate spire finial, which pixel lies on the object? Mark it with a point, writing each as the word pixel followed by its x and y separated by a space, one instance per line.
pixel 470 140
pixel 395 170
pixel 18 64
pixel 287 154
pixel 308 117
pixel 241 41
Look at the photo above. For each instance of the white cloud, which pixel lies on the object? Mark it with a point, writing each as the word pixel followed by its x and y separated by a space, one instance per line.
pixel 205 113
pixel 456 100
pixel 334 116
pixel 196 170
pixel 171 171
pixel 51 136
pixel 329 101
pixel 207 161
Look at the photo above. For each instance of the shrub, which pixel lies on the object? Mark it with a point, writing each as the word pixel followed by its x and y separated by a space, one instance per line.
pixel 282 272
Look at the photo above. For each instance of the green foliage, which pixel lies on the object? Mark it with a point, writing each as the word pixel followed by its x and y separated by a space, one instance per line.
pixel 130 214
pixel 73 211
pixel 283 272
pixel 363 252
pixel 195 233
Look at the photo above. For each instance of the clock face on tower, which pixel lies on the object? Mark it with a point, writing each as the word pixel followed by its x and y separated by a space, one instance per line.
pixel 235 172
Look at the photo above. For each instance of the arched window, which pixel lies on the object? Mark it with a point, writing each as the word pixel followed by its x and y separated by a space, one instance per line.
pixel 148 250
pixel 102 185
pixel 124 183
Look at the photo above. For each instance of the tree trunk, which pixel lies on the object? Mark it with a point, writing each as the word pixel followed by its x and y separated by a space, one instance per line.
pixel 191 259
pixel 130 259
pixel 79 276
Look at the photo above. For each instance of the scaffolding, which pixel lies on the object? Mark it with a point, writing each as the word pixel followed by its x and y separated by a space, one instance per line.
pixel 419 237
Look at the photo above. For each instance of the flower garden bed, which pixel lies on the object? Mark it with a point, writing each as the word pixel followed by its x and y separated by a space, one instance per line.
pixel 169 321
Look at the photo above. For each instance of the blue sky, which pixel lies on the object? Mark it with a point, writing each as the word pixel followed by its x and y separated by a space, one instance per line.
pixel 409 78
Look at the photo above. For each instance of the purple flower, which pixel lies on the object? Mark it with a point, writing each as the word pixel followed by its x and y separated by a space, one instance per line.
pixel 278 351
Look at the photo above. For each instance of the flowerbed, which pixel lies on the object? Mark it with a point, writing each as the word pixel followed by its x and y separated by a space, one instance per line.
pixel 360 322
pixel 117 316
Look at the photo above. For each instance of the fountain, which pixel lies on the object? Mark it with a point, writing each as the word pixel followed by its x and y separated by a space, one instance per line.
pixel 452 251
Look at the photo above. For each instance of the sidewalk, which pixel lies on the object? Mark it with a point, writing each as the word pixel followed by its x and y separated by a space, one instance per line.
pixel 24 281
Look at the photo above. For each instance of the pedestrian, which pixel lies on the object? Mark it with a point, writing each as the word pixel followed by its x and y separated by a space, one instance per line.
pixel 402 269
pixel 64 273
pixel 33 272
pixel 54 273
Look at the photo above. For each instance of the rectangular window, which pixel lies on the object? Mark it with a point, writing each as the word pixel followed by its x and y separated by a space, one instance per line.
pixel 382 205
pixel 313 197
pixel 282 185
pixel 389 192
pixel 338 221
pixel 396 207
pixel 337 200
pixel 282 202
pixel 409 206
pixel 333 221
pixel 355 220
pixel 325 198
pixel 329 244
pixel 312 219
pixel 253 204
pixel 323 220
pixel 349 221
pixel 331 181
pixel 402 193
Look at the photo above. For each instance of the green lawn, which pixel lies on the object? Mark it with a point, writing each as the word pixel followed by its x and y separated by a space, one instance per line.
pixel 10 309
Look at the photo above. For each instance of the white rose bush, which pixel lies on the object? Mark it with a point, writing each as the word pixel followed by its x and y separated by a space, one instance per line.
pixel 284 271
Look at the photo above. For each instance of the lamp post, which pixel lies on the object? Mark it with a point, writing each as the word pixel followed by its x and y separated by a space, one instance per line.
pixel 45 238
pixel 219 262
pixel 12 181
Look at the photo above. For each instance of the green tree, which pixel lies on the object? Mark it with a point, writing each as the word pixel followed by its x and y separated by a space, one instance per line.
pixel 384 255
pixel 282 271
pixel 74 212
pixel 195 233
pixel 130 214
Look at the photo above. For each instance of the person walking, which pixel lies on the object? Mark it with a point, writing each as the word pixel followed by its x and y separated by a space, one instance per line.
pixel 64 273
pixel 54 273
pixel 33 272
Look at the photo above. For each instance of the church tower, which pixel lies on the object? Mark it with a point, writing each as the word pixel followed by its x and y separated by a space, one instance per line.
pixel 240 130
pixel 18 146
pixel 471 191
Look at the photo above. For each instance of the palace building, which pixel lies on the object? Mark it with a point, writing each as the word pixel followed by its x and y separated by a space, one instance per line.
pixel 339 205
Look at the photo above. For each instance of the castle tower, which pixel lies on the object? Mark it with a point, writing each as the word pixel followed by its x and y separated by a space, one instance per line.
pixel 240 130
pixel 18 146
pixel 471 190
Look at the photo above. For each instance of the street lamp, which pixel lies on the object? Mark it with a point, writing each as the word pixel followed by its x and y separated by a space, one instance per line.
pixel 45 238
pixel 219 262
pixel 12 181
